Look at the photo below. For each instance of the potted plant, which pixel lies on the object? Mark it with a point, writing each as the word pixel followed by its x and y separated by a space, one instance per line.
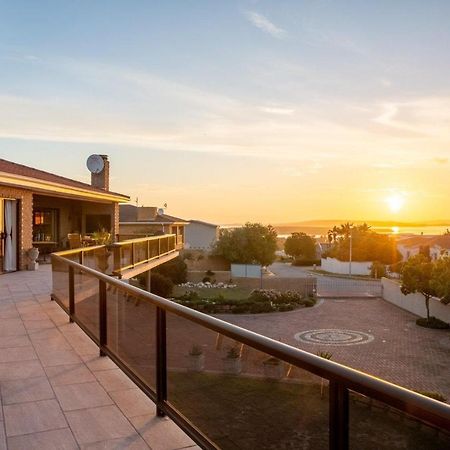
pixel 325 355
pixel 102 237
pixel 232 361
pixel 196 359
pixel 273 368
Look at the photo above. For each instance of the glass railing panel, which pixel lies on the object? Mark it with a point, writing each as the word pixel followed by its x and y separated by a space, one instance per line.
pixel 241 398
pixel 154 248
pixel 131 333
pixel 126 258
pixel 377 426
pixel 86 288
pixel 140 251
pixel 60 280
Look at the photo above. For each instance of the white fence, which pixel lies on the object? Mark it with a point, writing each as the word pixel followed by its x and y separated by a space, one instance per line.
pixel 245 271
pixel 333 265
pixel 414 303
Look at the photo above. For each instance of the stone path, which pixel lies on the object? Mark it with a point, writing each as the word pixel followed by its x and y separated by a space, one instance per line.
pixel 56 392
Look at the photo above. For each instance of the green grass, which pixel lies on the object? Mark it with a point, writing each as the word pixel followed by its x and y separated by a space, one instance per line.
pixel 237 293
pixel 252 413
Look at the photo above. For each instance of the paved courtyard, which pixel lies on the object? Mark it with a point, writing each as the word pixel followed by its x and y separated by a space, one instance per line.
pixel 387 342
pixel 56 392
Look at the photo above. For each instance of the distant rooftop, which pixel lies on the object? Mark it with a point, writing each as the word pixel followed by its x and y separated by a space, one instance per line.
pixel 146 214
pixel 203 223
pixel 442 241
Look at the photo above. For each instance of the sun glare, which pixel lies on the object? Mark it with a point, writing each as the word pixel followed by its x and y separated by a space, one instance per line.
pixel 395 202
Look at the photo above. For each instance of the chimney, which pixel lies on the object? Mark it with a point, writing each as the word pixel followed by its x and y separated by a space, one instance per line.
pixel 146 213
pixel 101 180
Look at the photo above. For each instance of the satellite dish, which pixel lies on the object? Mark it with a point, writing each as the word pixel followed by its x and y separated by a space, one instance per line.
pixel 95 163
pixel 160 211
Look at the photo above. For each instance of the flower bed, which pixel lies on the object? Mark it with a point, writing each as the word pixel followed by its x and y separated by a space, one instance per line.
pixel 259 301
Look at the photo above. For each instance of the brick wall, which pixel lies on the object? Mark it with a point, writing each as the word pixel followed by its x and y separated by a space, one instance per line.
pixel 25 220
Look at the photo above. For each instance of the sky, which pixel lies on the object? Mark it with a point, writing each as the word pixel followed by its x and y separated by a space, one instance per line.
pixel 237 111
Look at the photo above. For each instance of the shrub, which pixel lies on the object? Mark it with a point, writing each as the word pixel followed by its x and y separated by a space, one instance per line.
pixel 284 308
pixel 377 270
pixel 189 296
pixel 263 295
pixel 210 273
pixel 433 395
pixel 433 322
pixel 175 269
pixel 308 302
pixel 290 297
pixel 206 280
pixel 161 285
pixel 257 308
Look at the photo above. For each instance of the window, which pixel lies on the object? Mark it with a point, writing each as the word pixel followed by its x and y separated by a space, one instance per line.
pixel 45 225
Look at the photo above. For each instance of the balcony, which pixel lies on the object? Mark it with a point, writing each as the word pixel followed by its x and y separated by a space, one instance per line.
pixel 57 392
pixel 230 388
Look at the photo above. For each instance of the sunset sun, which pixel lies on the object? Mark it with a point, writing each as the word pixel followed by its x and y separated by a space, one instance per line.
pixel 395 202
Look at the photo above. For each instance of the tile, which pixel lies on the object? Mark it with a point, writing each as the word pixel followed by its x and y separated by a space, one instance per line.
pixel 14 341
pixel 133 442
pixel 82 343
pixel 96 362
pixel 161 433
pixel 84 395
pixel 99 424
pixel 31 417
pixel 27 390
pixel 47 440
pixel 57 357
pixel 38 335
pixel 33 325
pixel 38 315
pixel 11 327
pixel 114 380
pixel 2 437
pixel 57 342
pixel 17 354
pixel 20 370
pixel 69 374
pixel 133 402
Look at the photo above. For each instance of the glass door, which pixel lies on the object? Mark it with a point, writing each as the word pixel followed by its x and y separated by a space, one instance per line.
pixel 8 235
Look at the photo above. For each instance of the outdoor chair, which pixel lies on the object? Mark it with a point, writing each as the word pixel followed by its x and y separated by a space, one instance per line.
pixel 74 240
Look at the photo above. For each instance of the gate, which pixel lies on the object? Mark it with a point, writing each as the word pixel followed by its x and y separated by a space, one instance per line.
pixel 331 287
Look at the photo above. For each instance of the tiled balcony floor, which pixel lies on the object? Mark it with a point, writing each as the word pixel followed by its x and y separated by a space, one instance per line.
pixel 56 392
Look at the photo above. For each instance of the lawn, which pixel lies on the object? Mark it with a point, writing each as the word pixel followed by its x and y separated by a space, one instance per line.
pixel 237 293
pixel 252 413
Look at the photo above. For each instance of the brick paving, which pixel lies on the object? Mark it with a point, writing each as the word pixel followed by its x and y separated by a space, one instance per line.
pixel 56 392
pixel 401 352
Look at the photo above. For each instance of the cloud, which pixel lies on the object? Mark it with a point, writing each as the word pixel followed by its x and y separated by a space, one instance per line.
pixel 440 160
pixel 278 110
pixel 263 23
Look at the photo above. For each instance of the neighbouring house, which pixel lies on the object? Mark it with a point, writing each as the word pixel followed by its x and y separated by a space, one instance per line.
pixel 201 235
pixel 142 221
pixel 412 245
pixel 40 209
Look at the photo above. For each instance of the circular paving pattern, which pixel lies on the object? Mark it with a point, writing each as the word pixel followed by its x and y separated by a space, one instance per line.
pixel 334 337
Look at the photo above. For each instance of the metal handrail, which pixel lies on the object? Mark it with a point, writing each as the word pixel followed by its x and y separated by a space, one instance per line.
pixel 412 403
pixel 80 250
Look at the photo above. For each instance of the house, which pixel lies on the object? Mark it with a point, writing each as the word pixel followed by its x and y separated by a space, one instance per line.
pixel 141 221
pixel 39 209
pixel 412 245
pixel 201 235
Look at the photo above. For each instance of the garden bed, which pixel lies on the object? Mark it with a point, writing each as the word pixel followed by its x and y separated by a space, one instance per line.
pixel 220 301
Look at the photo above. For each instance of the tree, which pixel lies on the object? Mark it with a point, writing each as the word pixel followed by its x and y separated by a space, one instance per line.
pixel 300 246
pixel 417 276
pixel 175 269
pixel 440 279
pixel 251 244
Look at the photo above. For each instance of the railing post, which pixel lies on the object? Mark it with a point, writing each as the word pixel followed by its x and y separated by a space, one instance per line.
pixel 71 293
pixel 161 360
pixel 338 398
pixel 159 246
pixel 81 258
pixel 103 322
pixel 148 250
pixel 132 254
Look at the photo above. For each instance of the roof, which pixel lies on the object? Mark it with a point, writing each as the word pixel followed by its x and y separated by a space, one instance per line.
pixel 442 241
pixel 20 170
pixel 201 222
pixel 129 214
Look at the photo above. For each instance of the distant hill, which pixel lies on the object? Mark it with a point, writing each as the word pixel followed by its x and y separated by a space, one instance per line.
pixel 374 223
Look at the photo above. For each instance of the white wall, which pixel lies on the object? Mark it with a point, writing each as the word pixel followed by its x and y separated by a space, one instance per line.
pixel 414 303
pixel 333 265
pixel 199 236
pixel 245 271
